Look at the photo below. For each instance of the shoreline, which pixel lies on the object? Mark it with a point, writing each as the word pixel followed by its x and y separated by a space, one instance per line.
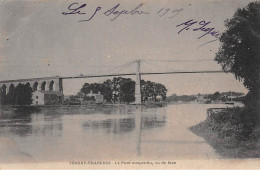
pixel 225 137
pixel 39 108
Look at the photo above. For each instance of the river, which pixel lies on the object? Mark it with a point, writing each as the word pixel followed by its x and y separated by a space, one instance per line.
pixel 124 132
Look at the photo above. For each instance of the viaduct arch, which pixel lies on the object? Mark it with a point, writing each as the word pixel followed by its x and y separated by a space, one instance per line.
pixel 37 84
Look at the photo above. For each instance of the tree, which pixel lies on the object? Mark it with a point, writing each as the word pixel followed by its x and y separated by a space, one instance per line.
pixel 123 90
pixel 216 96
pixel 86 89
pixel 27 94
pixel 127 93
pixel 239 52
pixel 116 89
pixel 10 97
pixel 23 94
pixel 152 89
pixel 107 90
pixel 3 95
pixel 147 90
pixel 162 91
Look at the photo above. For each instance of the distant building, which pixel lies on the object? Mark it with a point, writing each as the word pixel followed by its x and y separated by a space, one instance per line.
pixel 233 97
pixel 47 98
pixel 200 98
pixel 158 99
pixel 98 97
pixel 150 99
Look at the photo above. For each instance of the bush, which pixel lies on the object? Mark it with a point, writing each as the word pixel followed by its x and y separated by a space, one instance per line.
pixel 238 123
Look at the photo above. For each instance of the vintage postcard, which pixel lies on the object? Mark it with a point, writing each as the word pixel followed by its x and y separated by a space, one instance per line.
pixel 129 84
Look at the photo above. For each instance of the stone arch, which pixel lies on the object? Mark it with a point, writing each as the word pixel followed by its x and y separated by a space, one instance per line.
pixel 3 89
pixel 43 85
pixel 35 86
pixel 51 85
pixel 11 88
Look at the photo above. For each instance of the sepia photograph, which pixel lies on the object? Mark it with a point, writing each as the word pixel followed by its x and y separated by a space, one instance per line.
pixel 130 84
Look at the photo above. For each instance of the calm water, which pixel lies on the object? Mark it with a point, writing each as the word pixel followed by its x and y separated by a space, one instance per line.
pixel 116 133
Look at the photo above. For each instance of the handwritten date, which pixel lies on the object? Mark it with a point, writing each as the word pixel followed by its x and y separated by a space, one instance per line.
pixel 114 12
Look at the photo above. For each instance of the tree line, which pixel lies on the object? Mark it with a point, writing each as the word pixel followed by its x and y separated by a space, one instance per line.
pixel 217 96
pixel 122 90
pixel 19 95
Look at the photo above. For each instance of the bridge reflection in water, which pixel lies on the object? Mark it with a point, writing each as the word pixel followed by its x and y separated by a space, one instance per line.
pixel 125 133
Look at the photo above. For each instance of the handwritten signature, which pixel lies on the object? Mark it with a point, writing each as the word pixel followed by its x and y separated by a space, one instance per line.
pixel 200 26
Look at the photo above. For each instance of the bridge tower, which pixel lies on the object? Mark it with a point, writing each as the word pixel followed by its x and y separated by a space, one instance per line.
pixel 138 99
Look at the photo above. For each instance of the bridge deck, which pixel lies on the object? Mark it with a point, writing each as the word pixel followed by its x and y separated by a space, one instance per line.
pixel 110 75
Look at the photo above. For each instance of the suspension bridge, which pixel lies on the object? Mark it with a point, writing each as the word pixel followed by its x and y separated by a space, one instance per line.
pixel 56 83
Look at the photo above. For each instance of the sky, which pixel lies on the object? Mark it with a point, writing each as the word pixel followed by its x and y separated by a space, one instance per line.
pixel 37 40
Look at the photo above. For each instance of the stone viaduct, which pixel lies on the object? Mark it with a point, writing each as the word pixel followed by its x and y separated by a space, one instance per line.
pixel 44 84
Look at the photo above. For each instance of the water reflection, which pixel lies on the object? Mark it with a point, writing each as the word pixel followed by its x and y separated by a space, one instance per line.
pixel 43 124
pixel 23 124
pixel 116 126
pixel 15 124
pixel 49 122
pixel 119 125
pixel 106 133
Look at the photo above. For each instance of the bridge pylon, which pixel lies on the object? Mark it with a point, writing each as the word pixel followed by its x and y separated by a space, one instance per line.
pixel 138 99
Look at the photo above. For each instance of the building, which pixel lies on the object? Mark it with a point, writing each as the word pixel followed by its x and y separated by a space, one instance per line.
pixel 98 97
pixel 47 98
pixel 158 99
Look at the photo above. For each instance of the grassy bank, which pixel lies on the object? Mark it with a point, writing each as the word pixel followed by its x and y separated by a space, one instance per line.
pixel 234 133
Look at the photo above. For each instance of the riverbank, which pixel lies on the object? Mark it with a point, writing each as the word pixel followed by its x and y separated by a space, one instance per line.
pixel 234 133
pixel 74 108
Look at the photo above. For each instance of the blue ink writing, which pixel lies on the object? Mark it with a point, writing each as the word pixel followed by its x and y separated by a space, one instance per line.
pixel 187 24
pixel 97 9
pixel 74 10
pixel 202 27
pixel 174 12
pixel 207 30
pixel 116 13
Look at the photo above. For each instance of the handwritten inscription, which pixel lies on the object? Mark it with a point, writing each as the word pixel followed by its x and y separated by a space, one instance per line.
pixel 170 12
pixel 201 26
pixel 116 11
pixel 74 9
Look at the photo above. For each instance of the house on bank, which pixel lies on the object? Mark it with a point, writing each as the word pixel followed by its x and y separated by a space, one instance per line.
pixel 98 98
pixel 47 98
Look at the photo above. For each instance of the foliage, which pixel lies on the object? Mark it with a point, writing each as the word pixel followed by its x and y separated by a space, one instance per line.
pixel 127 92
pixel 19 95
pixel 239 52
pixel 232 133
pixel 217 96
pixel 152 89
pixel 240 122
pixel 123 90
pixel 183 98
